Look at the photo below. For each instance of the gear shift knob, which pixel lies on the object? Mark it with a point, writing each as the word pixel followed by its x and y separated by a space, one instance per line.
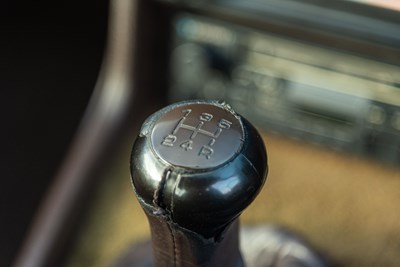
pixel 195 167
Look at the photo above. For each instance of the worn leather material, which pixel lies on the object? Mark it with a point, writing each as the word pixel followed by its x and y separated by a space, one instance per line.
pixel 174 246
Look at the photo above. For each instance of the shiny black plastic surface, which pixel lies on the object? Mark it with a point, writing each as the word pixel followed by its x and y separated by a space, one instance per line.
pixel 202 197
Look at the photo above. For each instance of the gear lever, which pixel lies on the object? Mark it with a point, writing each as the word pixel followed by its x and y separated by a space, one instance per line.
pixel 196 165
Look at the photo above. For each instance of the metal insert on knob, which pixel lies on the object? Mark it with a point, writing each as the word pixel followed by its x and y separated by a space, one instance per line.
pixel 198 135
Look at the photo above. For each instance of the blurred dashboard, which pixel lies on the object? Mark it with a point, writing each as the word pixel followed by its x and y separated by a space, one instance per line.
pixel 322 78
pixel 304 70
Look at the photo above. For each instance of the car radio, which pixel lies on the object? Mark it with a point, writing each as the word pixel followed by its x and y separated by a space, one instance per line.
pixel 298 87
